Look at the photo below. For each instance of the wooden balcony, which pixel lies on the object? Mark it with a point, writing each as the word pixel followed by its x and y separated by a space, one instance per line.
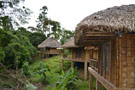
pixel 108 85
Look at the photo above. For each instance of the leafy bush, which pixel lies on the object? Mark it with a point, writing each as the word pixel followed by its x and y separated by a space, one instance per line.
pixel 42 70
pixel 26 69
pixel 66 82
pixel 16 54
pixel 2 54
pixel 17 48
pixel 23 40
pixel 36 38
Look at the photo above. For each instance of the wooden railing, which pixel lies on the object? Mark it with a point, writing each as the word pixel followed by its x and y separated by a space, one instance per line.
pixel 93 64
pixel 108 85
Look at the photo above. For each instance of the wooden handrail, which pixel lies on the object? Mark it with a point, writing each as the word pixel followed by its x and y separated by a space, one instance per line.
pixel 94 67
pixel 108 85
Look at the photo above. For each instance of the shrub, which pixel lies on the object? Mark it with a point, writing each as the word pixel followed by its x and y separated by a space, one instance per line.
pixel 42 70
pixel 2 54
pixel 16 54
pixel 26 69
pixel 17 48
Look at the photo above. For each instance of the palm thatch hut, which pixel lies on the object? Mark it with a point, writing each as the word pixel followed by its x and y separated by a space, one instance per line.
pixel 113 32
pixel 49 47
pixel 76 54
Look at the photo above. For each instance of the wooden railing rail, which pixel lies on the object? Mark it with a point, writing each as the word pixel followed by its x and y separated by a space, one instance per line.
pixel 108 85
pixel 93 64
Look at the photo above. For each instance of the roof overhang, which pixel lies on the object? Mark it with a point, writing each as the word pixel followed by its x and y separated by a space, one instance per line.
pixel 94 38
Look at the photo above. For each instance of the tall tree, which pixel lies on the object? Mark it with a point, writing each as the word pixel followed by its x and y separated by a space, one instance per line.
pixel 12 14
pixel 42 20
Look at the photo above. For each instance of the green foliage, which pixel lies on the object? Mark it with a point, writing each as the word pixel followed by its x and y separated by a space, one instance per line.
pixel 42 70
pixel 65 35
pixel 7 37
pixel 2 54
pixel 36 38
pixel 30 86
pixel 42 20
pixel 26 69
pixel 67 79
pixel 16 54
pixel 17 48
pixel 27 44
pixel 5 23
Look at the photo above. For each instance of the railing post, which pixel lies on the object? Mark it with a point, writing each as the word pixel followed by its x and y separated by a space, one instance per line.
pixel 85 70
pixel 91 81
pixel 98 85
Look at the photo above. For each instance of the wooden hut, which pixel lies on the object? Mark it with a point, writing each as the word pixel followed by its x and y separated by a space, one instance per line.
pixel 49 47
pixel 113 32
pixel 76 54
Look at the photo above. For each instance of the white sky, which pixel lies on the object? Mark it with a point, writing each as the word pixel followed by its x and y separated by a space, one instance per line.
pixel 70 12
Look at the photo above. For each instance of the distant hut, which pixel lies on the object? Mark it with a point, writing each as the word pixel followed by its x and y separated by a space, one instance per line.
pixel 76 54
pixel 49 47
pixel 113 32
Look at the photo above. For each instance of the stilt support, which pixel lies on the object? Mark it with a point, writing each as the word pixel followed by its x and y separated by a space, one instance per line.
pixel 85 70
pixel 91 81
pixel 98 85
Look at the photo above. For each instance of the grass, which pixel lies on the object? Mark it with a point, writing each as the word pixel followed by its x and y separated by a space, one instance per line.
pixel 54 64
pixel 81 85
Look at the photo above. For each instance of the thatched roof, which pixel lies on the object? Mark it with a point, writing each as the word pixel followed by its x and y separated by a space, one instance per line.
pixel 50 42
pixel 112 20
pixel 69 44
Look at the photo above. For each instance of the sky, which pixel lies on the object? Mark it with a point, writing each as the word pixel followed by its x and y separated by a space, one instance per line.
pixel 70 12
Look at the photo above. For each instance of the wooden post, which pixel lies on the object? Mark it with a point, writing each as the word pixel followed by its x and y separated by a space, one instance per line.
pixel 85 70
pixel 72 64
pixel 62 64
pixel 98 85
pixel 91 81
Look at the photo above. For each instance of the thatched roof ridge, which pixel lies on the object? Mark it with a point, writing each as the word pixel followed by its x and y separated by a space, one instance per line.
pixel 50 42
pixel 69 43
pixel 115 19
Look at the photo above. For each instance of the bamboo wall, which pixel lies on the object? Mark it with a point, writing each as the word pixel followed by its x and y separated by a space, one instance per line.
pixel 127 61
pixel 121 62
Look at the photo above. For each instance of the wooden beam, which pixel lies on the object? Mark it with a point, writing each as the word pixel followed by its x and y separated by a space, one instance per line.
pixel 108 85
pixel 100 34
